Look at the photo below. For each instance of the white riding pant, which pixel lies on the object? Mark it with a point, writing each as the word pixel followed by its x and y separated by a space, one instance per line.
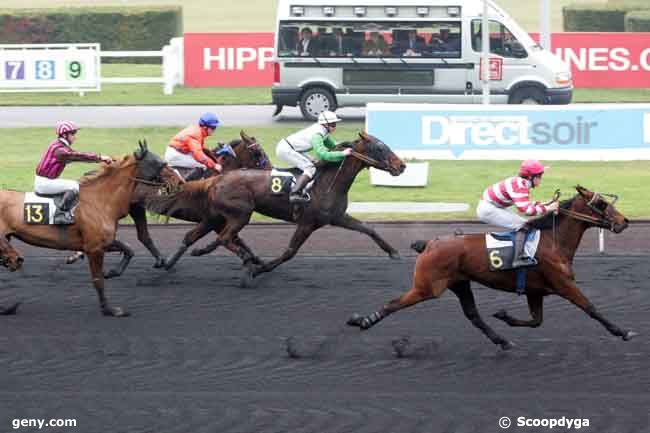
pixel 294 158
pixel 177 159
pixel 45 185
pixel 497 216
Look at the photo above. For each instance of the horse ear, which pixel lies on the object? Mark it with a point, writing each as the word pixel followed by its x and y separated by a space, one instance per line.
pixel 244 136
pixel 583 191
pixel 363 135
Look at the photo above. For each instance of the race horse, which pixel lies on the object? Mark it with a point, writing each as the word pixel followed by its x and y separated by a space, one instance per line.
pixel 246 153
pixel 451 263
pixel 104 199
pixel 12 260
pixel 236 195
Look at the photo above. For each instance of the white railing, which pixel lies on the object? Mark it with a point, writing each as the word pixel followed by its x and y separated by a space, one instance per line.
pixel 172 66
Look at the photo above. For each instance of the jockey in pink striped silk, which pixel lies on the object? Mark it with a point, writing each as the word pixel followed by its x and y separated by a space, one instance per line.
pixel 493 206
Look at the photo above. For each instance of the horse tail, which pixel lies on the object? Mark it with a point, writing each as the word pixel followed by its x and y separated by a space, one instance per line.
pixel 419 246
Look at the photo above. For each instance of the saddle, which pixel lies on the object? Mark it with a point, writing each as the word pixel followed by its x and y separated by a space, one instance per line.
pixel 49 209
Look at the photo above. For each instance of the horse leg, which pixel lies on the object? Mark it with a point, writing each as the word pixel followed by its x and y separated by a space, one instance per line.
pixel 299 237
pixel 127 255
pixel 139 215
pixel 572 293
pixel 466 297
pixel 536 307
pixel 74 257
pixel 203 228
pixel 411 297
pixel 9 311
pixel 350 223
pixel 96 263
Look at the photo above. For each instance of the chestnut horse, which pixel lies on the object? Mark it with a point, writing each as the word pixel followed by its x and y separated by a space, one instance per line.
pixel 12 260
pixel 236 195
pixel 103 200
pixel 451 263
pixel 248 154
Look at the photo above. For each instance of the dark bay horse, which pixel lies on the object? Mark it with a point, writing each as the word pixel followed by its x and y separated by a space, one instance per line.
pixel 451 263
pixel 248 154
pixel 236 195
pixel 103 200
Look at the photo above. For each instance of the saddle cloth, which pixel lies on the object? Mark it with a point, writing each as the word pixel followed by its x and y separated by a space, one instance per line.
pixel 44 210
pixel 500 248
pixel 282 179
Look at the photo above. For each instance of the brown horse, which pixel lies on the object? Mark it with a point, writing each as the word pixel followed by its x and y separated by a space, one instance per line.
pixel 12 260
pixel 236 195
pixel 104 198
pixel 451 263
pixel 248 154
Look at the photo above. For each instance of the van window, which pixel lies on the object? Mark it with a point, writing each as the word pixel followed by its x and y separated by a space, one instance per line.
pixel 369 39
pixel 502 41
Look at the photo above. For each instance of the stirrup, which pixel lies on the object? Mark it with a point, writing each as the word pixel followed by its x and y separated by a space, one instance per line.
pixel 523 262
pixel 299 198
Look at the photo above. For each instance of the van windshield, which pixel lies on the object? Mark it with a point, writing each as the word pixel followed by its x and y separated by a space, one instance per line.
pixel 369 39
pixel 502 41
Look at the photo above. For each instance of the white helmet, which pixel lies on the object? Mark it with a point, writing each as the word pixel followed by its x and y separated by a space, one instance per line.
pixel 327 117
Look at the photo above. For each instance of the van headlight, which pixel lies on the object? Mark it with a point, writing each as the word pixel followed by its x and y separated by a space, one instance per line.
pixel 563 78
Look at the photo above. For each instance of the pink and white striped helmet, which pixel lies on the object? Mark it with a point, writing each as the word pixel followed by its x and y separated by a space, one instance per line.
pixel 531 167
pixel 65 127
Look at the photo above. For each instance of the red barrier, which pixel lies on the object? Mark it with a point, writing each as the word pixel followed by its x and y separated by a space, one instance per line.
pixel 598 60
pixel 228 59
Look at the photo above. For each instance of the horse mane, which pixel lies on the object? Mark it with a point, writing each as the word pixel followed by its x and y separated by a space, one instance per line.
pixel 545 222
pixel 105 171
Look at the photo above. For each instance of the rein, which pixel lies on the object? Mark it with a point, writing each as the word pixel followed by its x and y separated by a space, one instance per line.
pixel 359 156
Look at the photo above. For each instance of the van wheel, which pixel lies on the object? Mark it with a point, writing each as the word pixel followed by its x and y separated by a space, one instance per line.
pixel 528 96
pixel 315 101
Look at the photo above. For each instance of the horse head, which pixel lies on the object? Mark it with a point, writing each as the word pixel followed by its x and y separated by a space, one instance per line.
pixel 378 154
pixel 600 208
pixel 151 168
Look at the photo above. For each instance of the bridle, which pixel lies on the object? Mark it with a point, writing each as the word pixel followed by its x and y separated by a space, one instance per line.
pixel 368 160
pixel 602 220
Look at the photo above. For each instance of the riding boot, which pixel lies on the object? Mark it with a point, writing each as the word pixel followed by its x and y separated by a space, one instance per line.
pixel 68 200
pixel 296 195
pixel 521 258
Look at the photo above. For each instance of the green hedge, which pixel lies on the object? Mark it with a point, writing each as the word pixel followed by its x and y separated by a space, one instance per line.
pixel 600 17
pixel 115 28
pixel 638 21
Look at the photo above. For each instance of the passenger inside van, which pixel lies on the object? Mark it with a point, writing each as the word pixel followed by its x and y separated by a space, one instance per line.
pixel 414 45
pixel 444 41
pixel 307 46
pixel 341 44
pixel 375 46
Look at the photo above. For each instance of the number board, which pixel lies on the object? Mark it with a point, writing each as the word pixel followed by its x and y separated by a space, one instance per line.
pixel 49 67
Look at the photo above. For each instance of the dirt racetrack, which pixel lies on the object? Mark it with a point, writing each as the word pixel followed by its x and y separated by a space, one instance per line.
pixel 200 354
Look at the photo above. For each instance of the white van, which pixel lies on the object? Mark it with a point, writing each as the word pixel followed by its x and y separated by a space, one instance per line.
pixel 340 53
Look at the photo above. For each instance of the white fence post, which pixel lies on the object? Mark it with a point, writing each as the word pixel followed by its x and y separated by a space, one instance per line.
pixel 167 70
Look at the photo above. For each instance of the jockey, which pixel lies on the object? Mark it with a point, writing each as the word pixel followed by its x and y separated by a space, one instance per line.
pixel 293 150
pixel 515 190
pixel 58 154
pixel 187 148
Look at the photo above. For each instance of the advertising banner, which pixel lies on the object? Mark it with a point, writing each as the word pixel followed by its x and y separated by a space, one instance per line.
pixel 578 132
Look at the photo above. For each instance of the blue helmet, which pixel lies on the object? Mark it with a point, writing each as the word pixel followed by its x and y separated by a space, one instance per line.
pixel 210 120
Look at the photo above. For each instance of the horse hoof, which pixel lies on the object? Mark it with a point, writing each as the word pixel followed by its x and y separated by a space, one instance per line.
pixel 355 320
pixel 629 335
pixel 196 252
pixel 115 312
pixel 10 311
pixel 111 274
pixel 507 345
pixel 160 263
pixel 395 255
pixel 501 315
pixel 247 278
